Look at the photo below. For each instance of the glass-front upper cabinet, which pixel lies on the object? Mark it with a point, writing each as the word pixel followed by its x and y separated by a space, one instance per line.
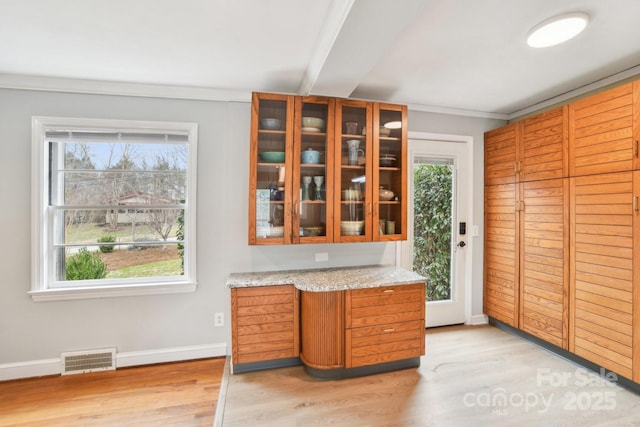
pixel 353 168
pixel 270 171
pixel 313 170
pixel 326 170
pixel 390 172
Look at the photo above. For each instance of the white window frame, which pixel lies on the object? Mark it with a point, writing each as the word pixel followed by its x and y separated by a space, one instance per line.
pixel 41 244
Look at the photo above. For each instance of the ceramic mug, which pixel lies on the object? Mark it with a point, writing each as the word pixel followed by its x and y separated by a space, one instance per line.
pixel 351 128
pixel 310 156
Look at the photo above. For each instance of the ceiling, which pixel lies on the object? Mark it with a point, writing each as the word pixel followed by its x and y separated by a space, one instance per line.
pixel 458 56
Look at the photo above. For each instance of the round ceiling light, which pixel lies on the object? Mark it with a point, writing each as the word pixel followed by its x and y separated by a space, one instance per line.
pixel 557 29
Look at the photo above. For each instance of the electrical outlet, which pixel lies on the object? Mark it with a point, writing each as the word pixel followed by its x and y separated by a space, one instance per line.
pixel 218 319
pixel 322 256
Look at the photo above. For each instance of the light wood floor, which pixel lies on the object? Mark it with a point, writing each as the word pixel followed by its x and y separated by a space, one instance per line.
pixel 172 394
pixel 470 376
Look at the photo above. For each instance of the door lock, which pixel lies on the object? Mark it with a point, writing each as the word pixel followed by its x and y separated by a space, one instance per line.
pixel 462 244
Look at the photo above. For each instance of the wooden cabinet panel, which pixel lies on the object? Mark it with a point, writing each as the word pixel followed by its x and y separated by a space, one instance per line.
pixel 270 185
pixel 602 134
pixel 501 280
pixel 500 155
pixel 313 203
pixel 562 231
pixel 384 324
pixel 545 139
pixel 544 273
pixel 384 343
pixel 602 265
pixel 264 323
pixel 323 329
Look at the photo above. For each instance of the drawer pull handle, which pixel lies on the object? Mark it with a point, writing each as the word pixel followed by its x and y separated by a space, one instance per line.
pixel 389 330
pixel 388 291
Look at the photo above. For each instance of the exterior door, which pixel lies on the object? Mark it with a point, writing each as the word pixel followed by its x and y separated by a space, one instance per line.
pixel 438 235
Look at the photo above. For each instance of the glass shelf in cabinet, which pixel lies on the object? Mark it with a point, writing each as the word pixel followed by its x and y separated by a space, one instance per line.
pixel 390 138
pixel 272 131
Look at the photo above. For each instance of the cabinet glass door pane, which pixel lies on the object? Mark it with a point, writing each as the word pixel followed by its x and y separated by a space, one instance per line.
pixel 389 172
pixel 311 187
pixel 271 171
pixel 352 164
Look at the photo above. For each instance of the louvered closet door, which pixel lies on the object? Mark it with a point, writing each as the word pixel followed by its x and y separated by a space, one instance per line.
pixel 601 136
pixel 500 253
pixel 602 279
pixel 544 142
pixel 500 155
pixel 545 257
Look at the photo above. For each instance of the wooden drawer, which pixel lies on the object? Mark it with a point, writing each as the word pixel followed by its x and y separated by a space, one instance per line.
pixel 385 305
pixel 385 290
pixel 264 323
pixel 384 343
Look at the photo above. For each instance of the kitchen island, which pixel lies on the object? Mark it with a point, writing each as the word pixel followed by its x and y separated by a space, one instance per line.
pixel 338 322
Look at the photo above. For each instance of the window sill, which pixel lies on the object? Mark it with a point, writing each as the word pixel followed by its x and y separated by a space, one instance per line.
pixel 111 291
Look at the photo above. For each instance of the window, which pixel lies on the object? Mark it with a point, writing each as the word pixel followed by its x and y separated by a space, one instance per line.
pixel 113 208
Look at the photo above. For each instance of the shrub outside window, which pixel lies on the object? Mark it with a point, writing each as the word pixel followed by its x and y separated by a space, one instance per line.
pixel 113 207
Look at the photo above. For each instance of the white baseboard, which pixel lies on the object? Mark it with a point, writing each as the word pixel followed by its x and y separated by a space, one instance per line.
pixel 32 368
pixel 479 319
pixel 39 368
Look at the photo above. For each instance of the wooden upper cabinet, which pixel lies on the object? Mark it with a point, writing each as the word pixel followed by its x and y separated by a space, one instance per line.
pixel 313 181
pixel 389 171
pixel 353 216
pixel 604 131
pixel 270 166
pixel 363 206
pixel 305 187
pixel 533 149
pixel 544 148
pixel 500 155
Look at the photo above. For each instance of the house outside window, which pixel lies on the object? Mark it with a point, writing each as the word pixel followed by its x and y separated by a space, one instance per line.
pixel 113 208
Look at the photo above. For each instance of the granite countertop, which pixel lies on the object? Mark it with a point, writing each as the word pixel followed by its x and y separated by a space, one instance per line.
pixel 328 279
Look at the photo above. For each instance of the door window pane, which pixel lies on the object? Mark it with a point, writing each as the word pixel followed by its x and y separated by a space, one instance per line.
pixel 433 197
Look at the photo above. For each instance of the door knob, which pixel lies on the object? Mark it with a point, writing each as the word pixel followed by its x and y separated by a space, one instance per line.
pixel 462 244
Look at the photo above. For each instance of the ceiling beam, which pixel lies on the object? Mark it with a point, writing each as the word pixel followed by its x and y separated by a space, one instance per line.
pixel 368 30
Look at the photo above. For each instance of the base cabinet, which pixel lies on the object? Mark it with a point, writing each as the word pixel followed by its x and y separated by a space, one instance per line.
pixel 384 324
pixel 264 324
pixel 335 334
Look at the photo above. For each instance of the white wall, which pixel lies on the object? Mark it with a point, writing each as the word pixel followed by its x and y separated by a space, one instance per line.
pixel 474 127
pixel 32 331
